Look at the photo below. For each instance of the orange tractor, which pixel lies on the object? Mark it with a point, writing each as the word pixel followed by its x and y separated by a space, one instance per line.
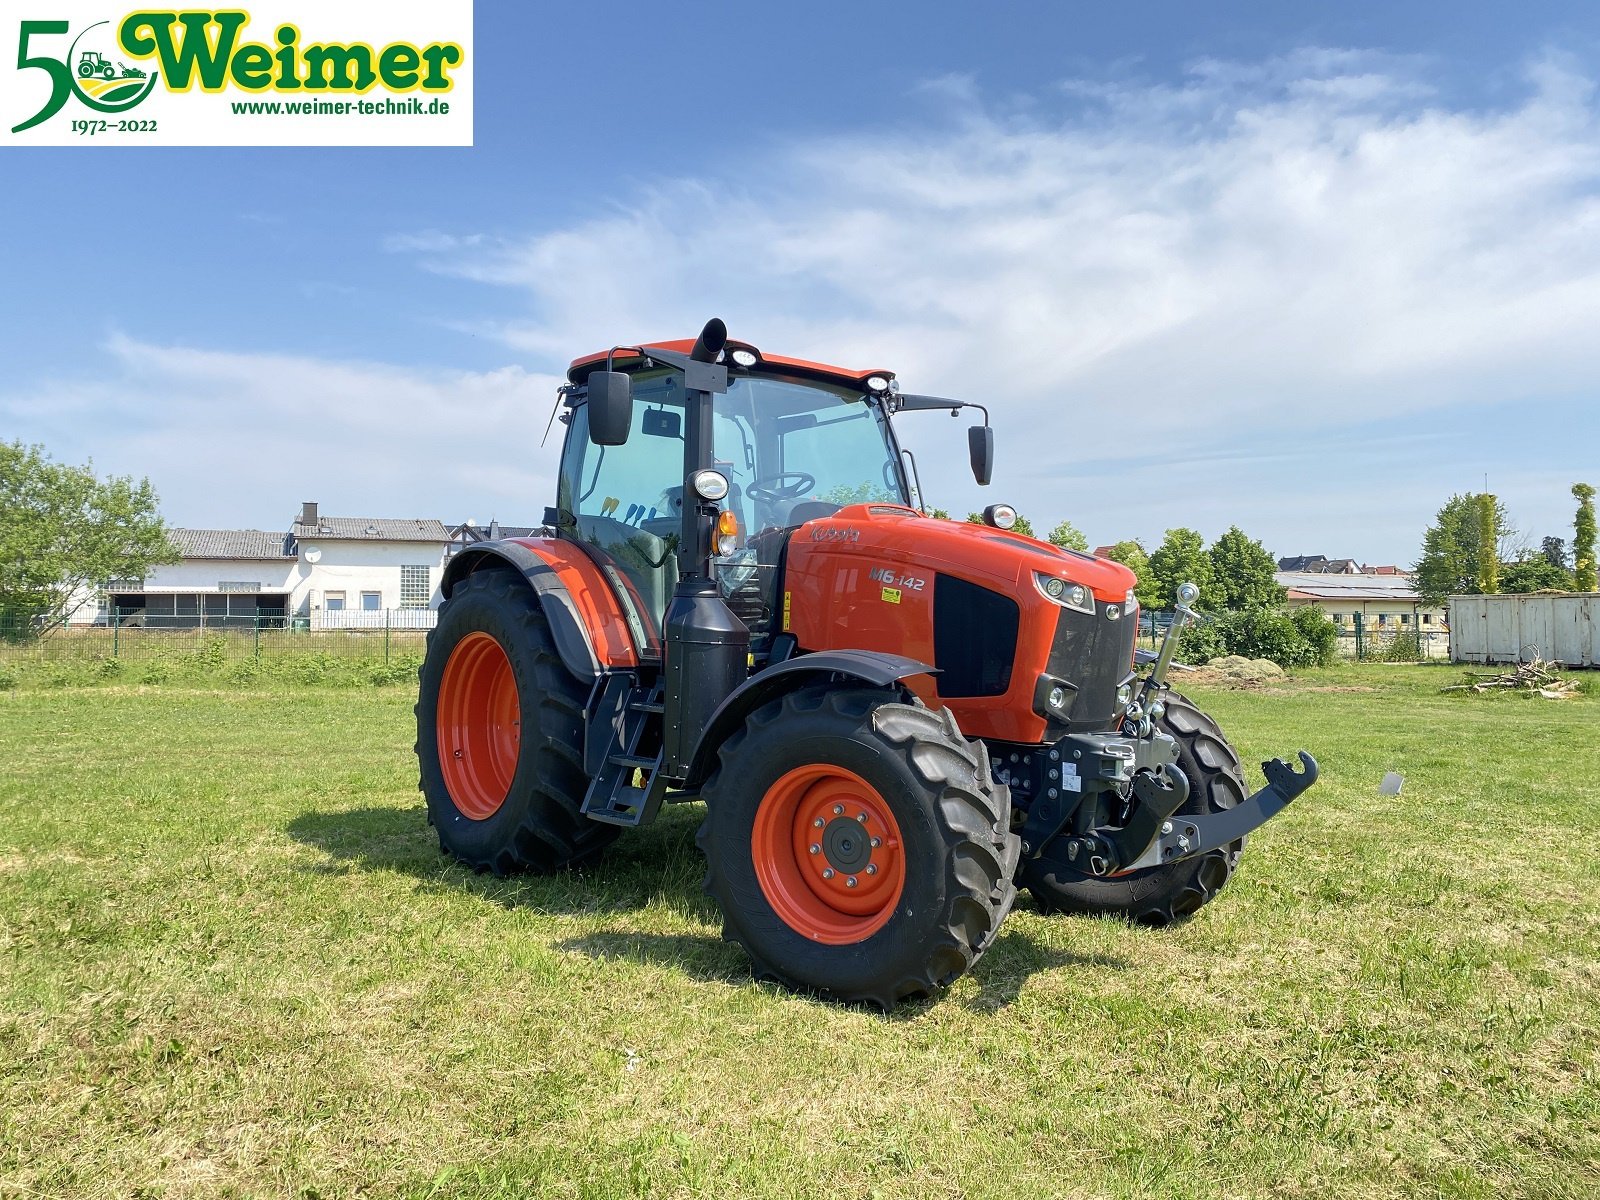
pixel 893 720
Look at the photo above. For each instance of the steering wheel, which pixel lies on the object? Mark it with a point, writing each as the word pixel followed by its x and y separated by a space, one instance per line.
pixel 771 489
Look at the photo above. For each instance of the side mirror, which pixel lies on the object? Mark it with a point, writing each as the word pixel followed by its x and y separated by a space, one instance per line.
pixel 610 407
pixel 980 444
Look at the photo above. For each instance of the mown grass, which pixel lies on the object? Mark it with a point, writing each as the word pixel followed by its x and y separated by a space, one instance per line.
pixel 232 962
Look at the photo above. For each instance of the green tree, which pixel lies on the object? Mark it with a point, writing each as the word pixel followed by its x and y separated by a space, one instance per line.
pixel 1452 548
pixel 64 532
pixel 1023 525
pixel 942 513
pixel 1180 557
pixel 1534 575
pixel 1131 555
pixel 1554 550
pixel 1242 573
pixel 1067 536
pixel 1488 545
pixel 1583 564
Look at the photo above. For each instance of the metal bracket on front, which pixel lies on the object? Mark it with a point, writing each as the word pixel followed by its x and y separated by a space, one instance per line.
pixel 1187 836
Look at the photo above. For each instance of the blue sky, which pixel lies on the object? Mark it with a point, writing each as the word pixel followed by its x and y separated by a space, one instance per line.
pixel 1304 268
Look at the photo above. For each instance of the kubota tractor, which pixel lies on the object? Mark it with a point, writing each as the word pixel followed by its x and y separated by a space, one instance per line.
pixel 893 720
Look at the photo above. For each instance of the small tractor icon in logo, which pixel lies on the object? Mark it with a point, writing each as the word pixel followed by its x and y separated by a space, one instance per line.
pixel 94 63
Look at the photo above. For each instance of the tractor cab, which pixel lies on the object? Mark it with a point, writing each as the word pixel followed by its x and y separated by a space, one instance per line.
pixel 790 443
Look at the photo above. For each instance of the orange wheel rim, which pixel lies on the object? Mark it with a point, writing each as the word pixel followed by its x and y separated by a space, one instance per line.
pixel 828 854
pixel 479 726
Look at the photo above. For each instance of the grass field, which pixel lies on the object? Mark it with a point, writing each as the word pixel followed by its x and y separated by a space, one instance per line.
pixel 232 962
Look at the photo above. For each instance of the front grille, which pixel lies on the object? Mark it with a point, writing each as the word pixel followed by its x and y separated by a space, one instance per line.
pixel 974 638
pixel 1094 655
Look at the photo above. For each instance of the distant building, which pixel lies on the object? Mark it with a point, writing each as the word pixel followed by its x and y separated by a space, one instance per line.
pixel 324 572
pixel 1321 565
pixel 1384 602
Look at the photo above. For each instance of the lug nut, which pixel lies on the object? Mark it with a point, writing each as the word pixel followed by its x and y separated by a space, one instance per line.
pixel 827 872
pixel 818 822
pixel 837 809
pixel 816 849
pixel 851 882
pixel 862 817
pixel 872 868
pixel 876 842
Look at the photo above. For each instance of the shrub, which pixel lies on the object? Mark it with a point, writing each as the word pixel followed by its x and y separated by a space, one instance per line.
pixel 1321 634
pixel 1290 640
pixel 1265 633
pixel 1402 648
pixel 1199 644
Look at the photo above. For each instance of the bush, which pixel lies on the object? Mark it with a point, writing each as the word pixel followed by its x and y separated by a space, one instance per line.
pixel 1321 634
pixel 1402 648
pixel 1265 633
pixel 1199 644
pixel 1288 639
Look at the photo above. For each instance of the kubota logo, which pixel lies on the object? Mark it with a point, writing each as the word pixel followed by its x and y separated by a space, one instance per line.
pixel 270 69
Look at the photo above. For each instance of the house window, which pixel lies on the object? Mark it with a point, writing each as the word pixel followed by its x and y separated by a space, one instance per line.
pixel 1427 618
pixel 333 601
pixel 1383 619
pixel 414 587
pixel 1405 619
pixel 371 601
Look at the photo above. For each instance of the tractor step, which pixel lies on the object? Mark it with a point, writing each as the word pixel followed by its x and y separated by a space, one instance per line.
pixel 637 761
pixel 621 714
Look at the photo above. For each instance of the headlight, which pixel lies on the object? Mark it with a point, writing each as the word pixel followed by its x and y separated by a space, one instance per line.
pixel 1001 516
pixel 744 358
pixel 1064 592
pixel 709 485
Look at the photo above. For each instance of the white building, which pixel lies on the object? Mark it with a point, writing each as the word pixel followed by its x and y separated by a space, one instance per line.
pixel 325 572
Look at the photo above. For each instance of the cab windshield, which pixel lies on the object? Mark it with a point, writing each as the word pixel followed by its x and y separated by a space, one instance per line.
pixel 793 452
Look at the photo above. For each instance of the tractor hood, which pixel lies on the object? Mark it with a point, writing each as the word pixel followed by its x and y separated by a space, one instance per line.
pixel 906 537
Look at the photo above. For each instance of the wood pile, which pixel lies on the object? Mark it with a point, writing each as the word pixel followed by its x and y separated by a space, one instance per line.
pixel 1537 676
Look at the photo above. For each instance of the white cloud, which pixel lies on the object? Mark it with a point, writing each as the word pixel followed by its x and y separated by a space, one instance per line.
pixel 1276 249
pixel 241 439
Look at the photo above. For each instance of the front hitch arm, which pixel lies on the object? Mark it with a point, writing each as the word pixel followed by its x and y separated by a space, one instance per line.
pixel 1187 836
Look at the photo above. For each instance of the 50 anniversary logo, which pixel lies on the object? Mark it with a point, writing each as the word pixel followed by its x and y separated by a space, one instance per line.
pixel 217 76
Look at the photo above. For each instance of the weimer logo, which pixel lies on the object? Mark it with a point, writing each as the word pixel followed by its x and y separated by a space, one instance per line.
pixel 223 69
pixel 89 72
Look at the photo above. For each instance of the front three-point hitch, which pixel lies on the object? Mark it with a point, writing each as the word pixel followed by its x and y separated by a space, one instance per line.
pixel 1108 803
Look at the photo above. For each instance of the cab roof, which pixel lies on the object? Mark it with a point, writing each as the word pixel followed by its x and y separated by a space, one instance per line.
pixel 626 359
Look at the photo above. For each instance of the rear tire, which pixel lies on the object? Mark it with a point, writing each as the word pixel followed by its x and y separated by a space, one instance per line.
pixel 500 735
pixel 1173 893
pixel 811 765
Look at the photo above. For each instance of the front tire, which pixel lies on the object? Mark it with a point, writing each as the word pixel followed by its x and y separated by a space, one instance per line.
pixel 857 846
pixel 500 735
pixel 1173 893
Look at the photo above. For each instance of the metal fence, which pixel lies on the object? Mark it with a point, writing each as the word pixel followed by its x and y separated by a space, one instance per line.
pixel 1361 643
pixel 386 634
pixel 371 635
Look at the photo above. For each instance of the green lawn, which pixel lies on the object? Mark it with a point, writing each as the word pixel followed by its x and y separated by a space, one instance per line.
pixel 232 962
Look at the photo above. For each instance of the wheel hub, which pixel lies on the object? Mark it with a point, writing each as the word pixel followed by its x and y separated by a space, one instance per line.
pixel 827 853
pixel 846 845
